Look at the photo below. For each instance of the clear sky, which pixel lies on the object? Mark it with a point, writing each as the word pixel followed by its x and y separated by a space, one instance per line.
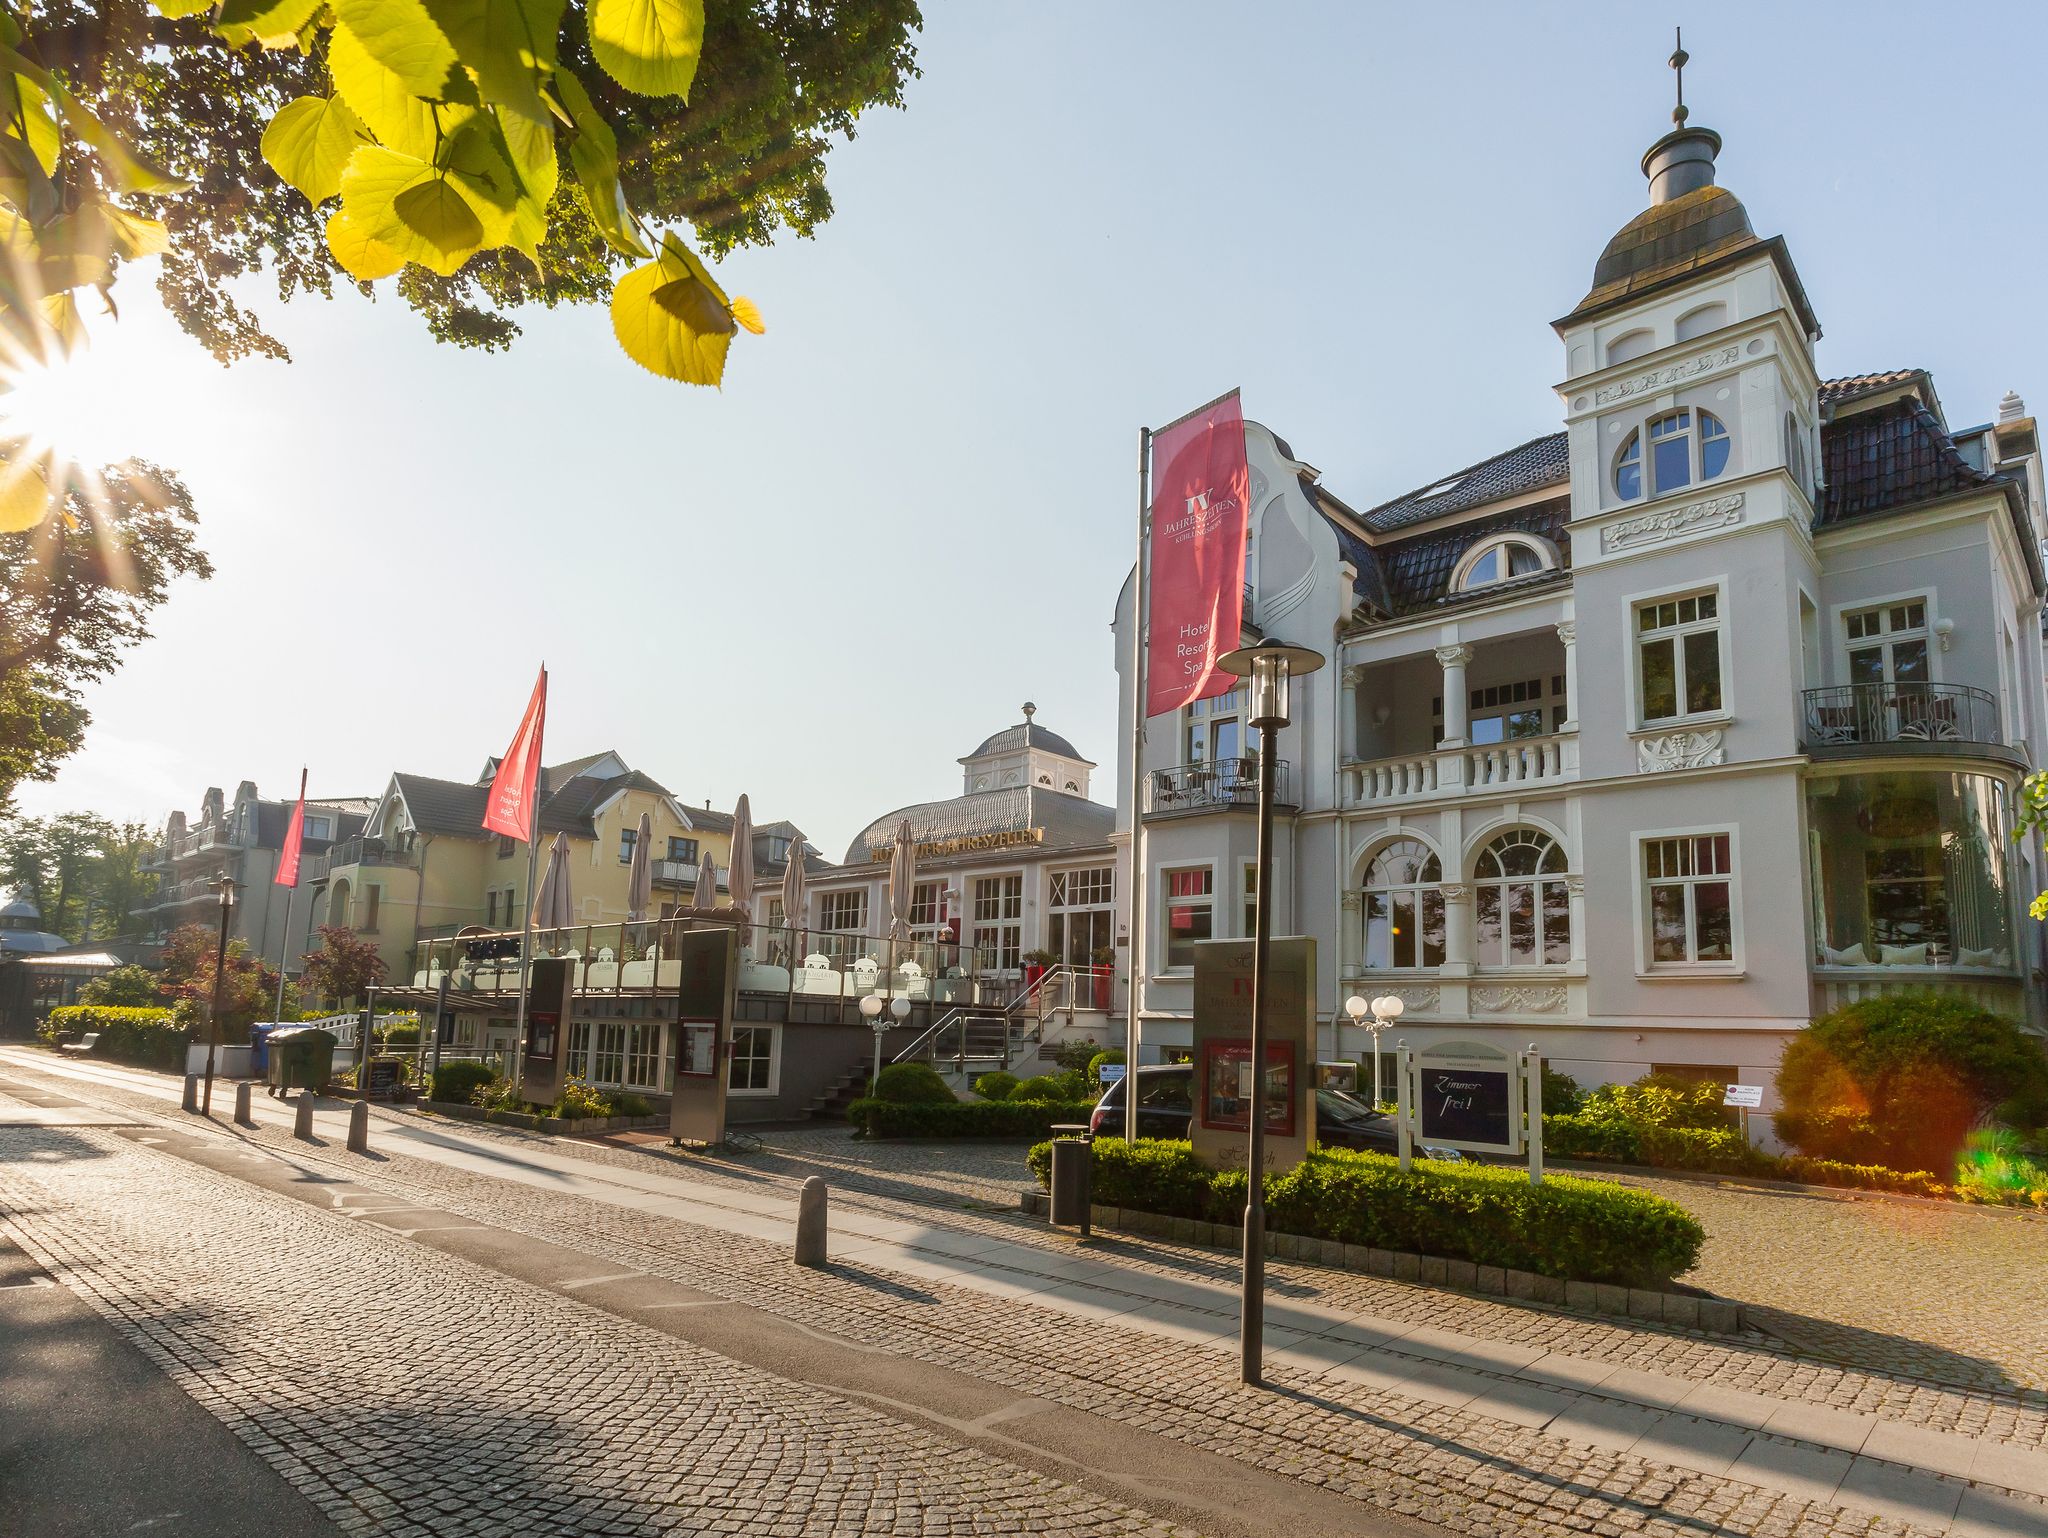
pixel 911 506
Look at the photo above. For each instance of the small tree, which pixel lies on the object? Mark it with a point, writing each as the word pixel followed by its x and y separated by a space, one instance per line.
pixel 1904 1080
pixel 129 987
pixel 344 968
pixel 248 988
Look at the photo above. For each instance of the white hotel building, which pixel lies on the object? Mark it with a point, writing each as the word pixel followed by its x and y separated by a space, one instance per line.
pixel 1649 740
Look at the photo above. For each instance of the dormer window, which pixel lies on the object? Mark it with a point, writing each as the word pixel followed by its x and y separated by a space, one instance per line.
pixel 1502 560
pixel 1442 488
pixel 1685 446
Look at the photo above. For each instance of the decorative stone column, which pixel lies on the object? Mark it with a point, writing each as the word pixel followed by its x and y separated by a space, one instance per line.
pixel 1347 713
pixel 1575 897
pixel 1568 632
pixel 1457 699
pixel 1457 931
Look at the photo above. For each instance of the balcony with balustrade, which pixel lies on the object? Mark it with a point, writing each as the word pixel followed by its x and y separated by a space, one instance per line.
pixel 1493 718
pixel 1892 719
pixel 1215 785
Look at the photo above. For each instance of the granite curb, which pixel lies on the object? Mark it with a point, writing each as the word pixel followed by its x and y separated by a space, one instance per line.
pixel 558 1125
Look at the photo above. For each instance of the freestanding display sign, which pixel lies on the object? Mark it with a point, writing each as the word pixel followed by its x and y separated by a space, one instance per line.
pixel 1472 1097
pixel 704 1007
pixel 547 1014
pixel 1223 1052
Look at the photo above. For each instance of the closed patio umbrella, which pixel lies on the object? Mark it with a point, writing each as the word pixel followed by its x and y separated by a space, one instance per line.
pixel 902 878
pixel 704 896
pixel 640 875
pixel 793 909
pixel 739 876
pixel 554 907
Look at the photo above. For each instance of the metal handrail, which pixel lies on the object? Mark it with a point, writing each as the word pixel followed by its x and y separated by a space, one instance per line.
pixel 1853 715
pixel 1216 782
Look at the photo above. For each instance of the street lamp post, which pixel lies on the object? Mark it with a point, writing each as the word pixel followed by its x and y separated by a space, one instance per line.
pixel 872 1008
pixel 1270 666
pixel 220 966
pixel 1385 1010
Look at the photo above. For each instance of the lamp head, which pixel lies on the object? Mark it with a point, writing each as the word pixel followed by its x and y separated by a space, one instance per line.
pixel 1389 1006
pixel 899 1008
pixel 1270 665
pixel 871 1006
pixel 1356 1008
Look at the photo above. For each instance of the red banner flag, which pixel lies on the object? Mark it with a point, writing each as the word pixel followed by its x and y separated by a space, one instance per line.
pixel 294 836
pixel 1201 496
pixel 515 788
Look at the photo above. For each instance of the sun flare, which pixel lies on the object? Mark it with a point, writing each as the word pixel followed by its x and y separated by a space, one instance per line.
pixel 56 410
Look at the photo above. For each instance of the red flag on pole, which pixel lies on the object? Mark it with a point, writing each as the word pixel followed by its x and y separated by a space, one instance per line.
pixel 515 788
pixel 1201 496
pixel 294 836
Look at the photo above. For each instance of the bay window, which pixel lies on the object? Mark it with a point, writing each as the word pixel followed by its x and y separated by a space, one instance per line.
pixel 1190 913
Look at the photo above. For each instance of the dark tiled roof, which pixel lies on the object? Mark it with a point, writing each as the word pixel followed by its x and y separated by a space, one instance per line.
pixel 581 796
pixel 273 817
pixel 1887 459
pixel 1529 466
pixel 1850 386
pixel 443 806
pixel 1026 734
pixel 1418 571
pixel 1070 822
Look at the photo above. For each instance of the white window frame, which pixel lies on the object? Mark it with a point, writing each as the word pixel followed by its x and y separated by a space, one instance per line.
pixel 1500 962
pixel 774 1084
pixel 576 1053
pixel 828 901
pixel 1838 623
pixel 1546 556
pixel 975 925
pixel 1162 885
pixel 1647 968
pixel 318 827
pixel 1632 675
pixel 1247 898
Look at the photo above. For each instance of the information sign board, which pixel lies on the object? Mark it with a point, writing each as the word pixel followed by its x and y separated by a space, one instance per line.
pixel 1748 1096
pixel 1220 1129
pixel 1109 1073
pixel 1466 1096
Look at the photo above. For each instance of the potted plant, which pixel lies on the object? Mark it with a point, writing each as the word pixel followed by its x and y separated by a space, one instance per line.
pixel 1035 963
pixel 1105 974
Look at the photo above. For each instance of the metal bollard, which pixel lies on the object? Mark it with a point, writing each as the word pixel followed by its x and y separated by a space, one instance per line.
pixel 302 1122
pixel 810 1223
pixel 242 1116
pixel 192 1093
pixel 359 1127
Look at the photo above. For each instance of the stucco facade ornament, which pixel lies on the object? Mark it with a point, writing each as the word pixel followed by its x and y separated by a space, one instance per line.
pixel 1539 999
pixel 1455 893
pixel 1672 522
pixel 1454 656
pixel 1568 632
pixel 1354 675
pixel 1575 886
pixel 1680 750
pixel 1352 901
pixel 1422 1000
pixel 1663 378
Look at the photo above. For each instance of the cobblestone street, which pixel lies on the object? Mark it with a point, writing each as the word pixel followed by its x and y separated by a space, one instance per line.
pixel 1535 1421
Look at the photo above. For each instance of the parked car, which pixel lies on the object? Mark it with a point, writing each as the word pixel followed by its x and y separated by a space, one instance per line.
pixel 1166 1106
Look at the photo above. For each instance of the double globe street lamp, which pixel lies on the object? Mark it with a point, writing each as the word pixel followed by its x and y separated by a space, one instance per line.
pixel 1385 1010
pixel 1271 666
pixel 872 1008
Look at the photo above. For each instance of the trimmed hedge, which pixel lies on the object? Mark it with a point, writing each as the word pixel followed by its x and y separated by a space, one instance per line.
pixel 997 1084
pixel 912 1084
pixel 148 1038
pixel 978 1118
pixel 457 1082
pixel 1582 1230
pixel 1718 1151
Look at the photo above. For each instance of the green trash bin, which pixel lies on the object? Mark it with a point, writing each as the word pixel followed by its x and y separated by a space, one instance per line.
pixel 301 1057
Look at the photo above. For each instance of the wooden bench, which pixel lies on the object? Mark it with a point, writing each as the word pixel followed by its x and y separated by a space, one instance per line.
pixel 82 1046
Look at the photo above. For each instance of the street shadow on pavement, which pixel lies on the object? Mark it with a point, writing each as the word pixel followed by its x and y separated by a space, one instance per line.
pixel 874 1281
pixel 1896 1356
pixel 45 1145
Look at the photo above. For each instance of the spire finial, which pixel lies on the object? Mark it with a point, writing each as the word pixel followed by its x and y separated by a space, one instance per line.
pixel 1678 61
pixel 1030 710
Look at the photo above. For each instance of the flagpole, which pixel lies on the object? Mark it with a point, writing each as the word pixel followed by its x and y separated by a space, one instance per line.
pixel 540 790
pixel 284 944
pixel 1140 607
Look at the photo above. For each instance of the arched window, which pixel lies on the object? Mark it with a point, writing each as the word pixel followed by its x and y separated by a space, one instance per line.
pixel 1628 468
pixel 1404 908
pixel 1501 560
pixel 1795 453
pixel 1522 912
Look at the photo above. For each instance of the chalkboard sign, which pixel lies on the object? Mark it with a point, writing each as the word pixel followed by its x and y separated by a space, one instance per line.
pixel 1465 1097
pixel 386 1075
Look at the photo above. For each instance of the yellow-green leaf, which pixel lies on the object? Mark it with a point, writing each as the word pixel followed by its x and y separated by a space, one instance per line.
pixel 176 8
pixel 509 45
pixel 309 142
pixel 436 213
pixel 594 155
pixel 397 118
pixel 748 314
pixel 25 499
pixel 670 320
pixel 649 46
pixel 400 35
pixel 362 257
pixel 26 107
pixel 267 23
pixel 128 170
pixel 135 235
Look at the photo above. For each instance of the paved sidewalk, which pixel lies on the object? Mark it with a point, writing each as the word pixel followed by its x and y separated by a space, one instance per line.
pixel 1565 1404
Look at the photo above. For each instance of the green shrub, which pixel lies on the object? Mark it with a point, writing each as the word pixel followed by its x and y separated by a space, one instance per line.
pixel 1094 1068
pixel 912 1084
pixel 1582 1137
pixel 458 1082
pixel 1865 1177
pixel 146 1037
pixel 975 1118
pixel 1996 1168
pixel 1902 1081
pixel 129 987
pixel 1075 1054
pixel 1561 1093
pixel 1584 1230
pixel 632 1105
pixel 1658 1100
pixel 405 1034
pixel 1070 1085
pixel 996 1085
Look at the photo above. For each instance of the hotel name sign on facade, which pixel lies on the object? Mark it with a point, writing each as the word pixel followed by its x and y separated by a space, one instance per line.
pixel 978 843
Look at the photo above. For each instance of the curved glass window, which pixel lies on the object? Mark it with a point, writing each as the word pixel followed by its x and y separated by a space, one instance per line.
pixel 1671 450
pixel 1628 468
pixel 1714 446
pixel 1910 869
pixel 1508 559
pixel 1522 911
pixel 1404 909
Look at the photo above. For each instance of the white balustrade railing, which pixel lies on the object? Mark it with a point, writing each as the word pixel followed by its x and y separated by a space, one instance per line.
pixel 1462 771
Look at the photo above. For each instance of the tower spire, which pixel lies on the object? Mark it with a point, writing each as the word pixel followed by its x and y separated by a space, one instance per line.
pixel 1679 58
